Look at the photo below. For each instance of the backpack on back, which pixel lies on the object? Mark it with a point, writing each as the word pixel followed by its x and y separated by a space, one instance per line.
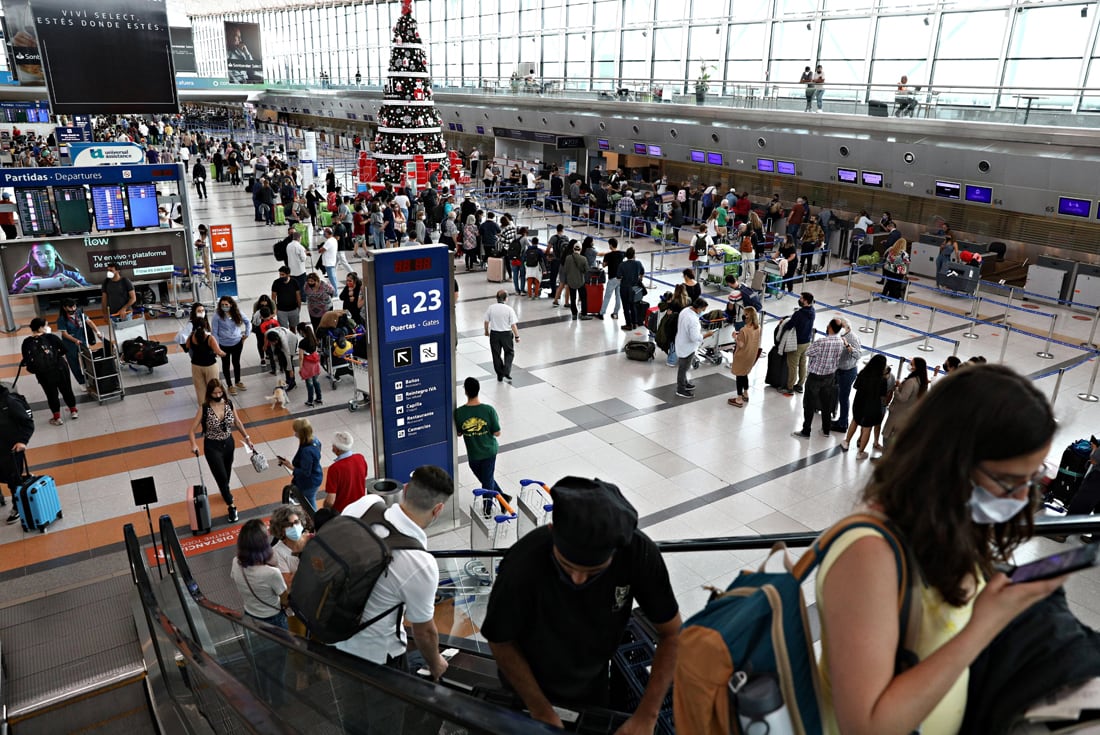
pixel 41 357
pixel 757 635
pixel 531 259
pixel 337 572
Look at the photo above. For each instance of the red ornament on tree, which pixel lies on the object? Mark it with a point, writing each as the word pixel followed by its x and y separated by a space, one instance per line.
pixel 406 7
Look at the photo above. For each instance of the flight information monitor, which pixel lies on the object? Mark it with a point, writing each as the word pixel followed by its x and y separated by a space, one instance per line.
pixel 872 178
pixel 948 190
pixel 72 209
pixel 980 194
pixel 787 168
pixel 110 214
pixel 1074 207
pixel 715 159
pixel 143 205
pixel 35 216
pixel 766 165
pixel 847 175
pixel 698 157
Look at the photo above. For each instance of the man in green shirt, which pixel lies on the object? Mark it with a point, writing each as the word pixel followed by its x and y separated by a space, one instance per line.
pixel 479 426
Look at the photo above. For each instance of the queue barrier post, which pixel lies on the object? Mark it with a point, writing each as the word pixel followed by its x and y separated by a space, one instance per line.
pixel 926 347
pixel 1008 304
pixel 1045 353
pixel 1057 387
pixel 1089 396
pixel 874 342
pixel 867 328
pixel 1004 344
pixel 955 351
pixel 1092 332
pixel 650 272
pixel 970 333
pixel 904 297
pixel 976 304
pixel 847 300
pixel 901 366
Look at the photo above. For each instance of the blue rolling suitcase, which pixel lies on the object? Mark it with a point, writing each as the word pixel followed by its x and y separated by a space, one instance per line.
pixel 37 501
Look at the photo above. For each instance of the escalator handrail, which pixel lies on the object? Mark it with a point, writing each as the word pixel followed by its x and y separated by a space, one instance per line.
pixel 454 706
pixel 1045 526
pixel 255 715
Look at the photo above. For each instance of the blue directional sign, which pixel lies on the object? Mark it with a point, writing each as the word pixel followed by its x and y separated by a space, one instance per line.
pixel 411 350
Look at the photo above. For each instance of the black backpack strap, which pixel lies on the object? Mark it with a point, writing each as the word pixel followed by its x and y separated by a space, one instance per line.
pixel 395 541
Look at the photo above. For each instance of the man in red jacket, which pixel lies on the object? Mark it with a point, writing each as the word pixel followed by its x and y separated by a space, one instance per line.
pixel 346 480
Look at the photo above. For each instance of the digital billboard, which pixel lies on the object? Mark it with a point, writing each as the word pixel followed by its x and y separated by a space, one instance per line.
pixel 244 52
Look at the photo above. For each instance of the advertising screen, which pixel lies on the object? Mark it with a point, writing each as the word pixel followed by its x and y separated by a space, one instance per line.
pixel 872 178
pixel 698 157
pixel 22 40
pixel 654 150
pixel 244 52
pixel 716 159
pixel 35 217
pixel 109 211
pixel 786 168
pixel 80 262
pixel 847 175
pixel 183 49
pixel 72 209
pixel 639 148
pixel 979 194
pixel 766 165
pixel 85 50
pixel 142 199
pixel 948 190
pixel 603 144
pixel 1074 207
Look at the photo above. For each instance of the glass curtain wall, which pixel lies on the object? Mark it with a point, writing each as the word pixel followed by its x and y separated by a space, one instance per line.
pixel 865 46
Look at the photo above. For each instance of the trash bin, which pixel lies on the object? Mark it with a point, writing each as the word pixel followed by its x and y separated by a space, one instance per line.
pixel 390 490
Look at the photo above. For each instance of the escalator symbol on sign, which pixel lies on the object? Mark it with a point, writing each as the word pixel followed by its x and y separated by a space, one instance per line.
pixel 403 357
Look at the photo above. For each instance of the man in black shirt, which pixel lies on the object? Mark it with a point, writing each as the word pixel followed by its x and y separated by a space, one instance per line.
pixel 288 299
pixel 118 296
pixel 612 259
pixel 563 597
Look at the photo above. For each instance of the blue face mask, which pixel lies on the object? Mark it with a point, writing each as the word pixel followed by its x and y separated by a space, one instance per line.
pixel 987 509
pixel 293 533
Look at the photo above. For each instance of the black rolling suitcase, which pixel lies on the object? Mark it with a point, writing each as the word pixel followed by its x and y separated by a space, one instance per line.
pixel 777 369
pixel 959 277
pixel 1071 471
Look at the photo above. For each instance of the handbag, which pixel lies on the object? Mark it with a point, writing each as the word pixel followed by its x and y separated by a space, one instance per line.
pixel 638 293
pixel 746 244
pixel 259 461
pixel 693 255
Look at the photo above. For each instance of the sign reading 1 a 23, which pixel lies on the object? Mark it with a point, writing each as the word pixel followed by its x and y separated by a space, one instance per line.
pixel 413 310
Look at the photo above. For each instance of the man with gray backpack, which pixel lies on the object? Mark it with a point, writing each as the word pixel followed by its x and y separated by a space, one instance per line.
pixel 365 572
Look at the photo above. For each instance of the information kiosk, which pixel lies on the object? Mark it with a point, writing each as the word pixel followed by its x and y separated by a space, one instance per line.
pixel 410 295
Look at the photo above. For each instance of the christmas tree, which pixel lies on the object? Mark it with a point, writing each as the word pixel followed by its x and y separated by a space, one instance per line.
pixel 408 123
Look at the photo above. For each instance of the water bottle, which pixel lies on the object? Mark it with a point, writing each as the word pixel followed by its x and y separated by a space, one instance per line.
pixel 760 707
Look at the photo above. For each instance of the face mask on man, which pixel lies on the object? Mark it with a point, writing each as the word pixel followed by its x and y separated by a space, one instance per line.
pixel 987 509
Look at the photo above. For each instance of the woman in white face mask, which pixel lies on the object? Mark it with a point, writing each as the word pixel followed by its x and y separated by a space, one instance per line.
pixel 288 536
pixel 960 486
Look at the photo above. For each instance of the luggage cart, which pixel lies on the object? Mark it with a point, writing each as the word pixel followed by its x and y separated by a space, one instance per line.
pixel 361 372
pixel 535 506
pixel 102 371
pixel 490 530
pixel 123 331
pixel 711 350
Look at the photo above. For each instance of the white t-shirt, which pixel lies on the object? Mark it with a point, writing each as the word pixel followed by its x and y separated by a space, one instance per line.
pixel 689 334
pixel 402 201
pixel 297 259
pixel 328 257
pixel 185 154
pixel 501 317
pixel 284 559
pixel 411 578
pixel 261 590
pixel 864 223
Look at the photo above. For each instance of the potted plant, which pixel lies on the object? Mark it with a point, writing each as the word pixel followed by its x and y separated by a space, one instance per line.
pixel 702 84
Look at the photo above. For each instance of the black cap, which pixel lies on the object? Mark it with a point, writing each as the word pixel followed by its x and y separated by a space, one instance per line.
pixel 591 520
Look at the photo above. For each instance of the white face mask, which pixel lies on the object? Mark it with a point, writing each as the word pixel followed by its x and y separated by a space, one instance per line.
pixel 987 509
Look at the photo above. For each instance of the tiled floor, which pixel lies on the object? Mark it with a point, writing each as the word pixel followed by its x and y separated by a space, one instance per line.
pixel 578 406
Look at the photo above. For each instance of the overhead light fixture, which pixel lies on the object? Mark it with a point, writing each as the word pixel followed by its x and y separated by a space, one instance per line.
pixel 1085 11
pixel 926 20
pixel 808 26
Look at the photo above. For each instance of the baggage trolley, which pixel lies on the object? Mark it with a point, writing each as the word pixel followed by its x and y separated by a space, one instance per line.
pixel 711 349
pixel 535 506
pixel 490 530
pixel 102 371
pixel 361 372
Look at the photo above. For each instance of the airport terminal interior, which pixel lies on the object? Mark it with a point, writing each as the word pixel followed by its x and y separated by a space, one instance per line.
pixel 995 133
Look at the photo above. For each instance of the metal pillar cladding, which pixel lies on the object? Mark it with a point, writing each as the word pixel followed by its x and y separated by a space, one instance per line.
pixel 1057 387
pixel 1004 344
pixel 1092 332
pixel 1089 395
pixel 904 298
pixel 867 328
pixel 847 300
pixel 926 347
pixel 970 333
pixel 1045 353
